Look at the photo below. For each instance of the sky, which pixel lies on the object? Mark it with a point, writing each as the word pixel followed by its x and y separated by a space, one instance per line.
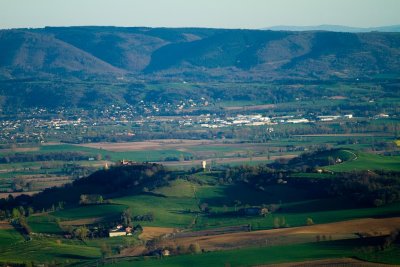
pixel 249 14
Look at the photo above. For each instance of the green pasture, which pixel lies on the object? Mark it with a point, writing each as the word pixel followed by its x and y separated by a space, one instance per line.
pixel 44 224
pixel 140 156
pixel 168 211
pixel 9 236
pixel 178 188
pixel 48 250
pixel 367 161
pixel 389 256
pixel 220 195
pixel 89 211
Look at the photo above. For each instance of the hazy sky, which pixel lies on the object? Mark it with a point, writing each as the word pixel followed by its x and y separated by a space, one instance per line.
pixel 198 13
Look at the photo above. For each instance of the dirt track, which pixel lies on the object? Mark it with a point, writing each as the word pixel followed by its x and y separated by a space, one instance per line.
pixel 152 232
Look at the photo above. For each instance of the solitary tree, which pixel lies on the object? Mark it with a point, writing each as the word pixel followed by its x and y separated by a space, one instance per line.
pixel 126 217
pixel 194 248
pixel 81 232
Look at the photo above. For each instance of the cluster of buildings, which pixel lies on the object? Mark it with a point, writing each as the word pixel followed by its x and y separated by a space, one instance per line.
pixel 238 120
pixel 39 125
pixel 119 230
pixel 207 121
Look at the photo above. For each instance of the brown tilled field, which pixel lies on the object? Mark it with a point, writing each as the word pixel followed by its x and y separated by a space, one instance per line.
pixel 4 225
pixel 153 232
pixel 149 145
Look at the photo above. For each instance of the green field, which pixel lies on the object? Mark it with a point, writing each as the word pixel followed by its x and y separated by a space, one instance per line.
pixel 388 256
pixel 168 211
pixel 140 156
pixel 48 250
pixel 44 224
pixel 9 236
pixel 90 211
pixel 367 161
pixel 49 224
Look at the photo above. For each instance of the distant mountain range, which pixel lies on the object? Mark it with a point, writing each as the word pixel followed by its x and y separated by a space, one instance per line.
pixel 195 54
pixel 335 28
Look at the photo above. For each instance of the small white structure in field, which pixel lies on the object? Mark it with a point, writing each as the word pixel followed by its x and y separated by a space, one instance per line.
pixel 204 164
pixel 166 253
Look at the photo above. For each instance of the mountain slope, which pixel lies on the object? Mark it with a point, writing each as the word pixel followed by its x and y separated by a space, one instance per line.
pixel 109 52
pixel 33 53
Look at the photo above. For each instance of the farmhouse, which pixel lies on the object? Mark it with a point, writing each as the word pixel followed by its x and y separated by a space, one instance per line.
pixel 119 230
pixel 127 163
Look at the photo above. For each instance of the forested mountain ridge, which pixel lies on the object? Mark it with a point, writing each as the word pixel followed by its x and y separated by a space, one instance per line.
pixel 195 53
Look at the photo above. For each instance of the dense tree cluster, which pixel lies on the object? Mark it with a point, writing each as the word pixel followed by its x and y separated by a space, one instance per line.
pixel 91 199
pixel 368 188
pixel 119 180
